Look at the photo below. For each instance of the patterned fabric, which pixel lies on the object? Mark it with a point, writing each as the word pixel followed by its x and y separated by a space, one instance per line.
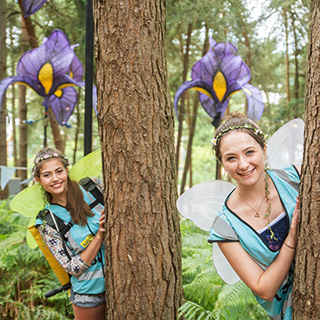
pixel 279 227
pixel 76 266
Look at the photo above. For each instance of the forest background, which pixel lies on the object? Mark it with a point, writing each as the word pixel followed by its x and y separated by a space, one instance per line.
pixel 271 37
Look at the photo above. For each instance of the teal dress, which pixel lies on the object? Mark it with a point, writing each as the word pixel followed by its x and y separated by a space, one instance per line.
pixel 229 227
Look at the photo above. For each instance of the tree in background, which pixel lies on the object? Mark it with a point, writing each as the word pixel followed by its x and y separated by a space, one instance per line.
pixel 143 246
pixel 306 297
pixel 3 113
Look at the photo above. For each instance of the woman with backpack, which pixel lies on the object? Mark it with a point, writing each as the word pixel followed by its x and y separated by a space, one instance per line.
pixel 80 250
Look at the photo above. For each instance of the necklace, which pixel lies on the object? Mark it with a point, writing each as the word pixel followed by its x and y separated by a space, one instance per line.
pixel 257 215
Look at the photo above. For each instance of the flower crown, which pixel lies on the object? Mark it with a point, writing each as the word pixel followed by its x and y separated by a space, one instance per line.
pixel 48 156
pixel 257 131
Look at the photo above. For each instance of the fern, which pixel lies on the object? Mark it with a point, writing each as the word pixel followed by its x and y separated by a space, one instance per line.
pixel 207 297
pixel 239 301
pixel 25 275
pixel 190 310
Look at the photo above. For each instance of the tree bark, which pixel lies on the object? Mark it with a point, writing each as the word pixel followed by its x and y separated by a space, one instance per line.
pixel 23 130
pixel 183 98
pixel 3 74
pixel 306 289
pixel 285 16
pixel 192 125
pixel 143 246
pixel 295 106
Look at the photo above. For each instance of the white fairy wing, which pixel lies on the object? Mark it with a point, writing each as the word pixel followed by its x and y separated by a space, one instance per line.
pixel 285 146
pixel 203 201
pixel 201 204
pixel 222 265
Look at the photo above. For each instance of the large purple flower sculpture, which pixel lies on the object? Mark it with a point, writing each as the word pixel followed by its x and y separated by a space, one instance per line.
pixel 51 70
pixel 32 6
pixel 218 75
pixel 63 101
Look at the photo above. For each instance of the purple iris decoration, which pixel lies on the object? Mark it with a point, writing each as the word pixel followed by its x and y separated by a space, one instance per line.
pixel 32 6
pixel 63 101
pixel 52 70
pixel 219 74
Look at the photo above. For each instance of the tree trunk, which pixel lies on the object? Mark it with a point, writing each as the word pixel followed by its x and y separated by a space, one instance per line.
pixel 23 132
pixel 285 15
pixel 295 107
pixel 58 139
pixel 248 56
pixel 183 99
pixel 14 115
pixel 3 74
pixel 306 290
pixel 192 124
pixel 143 246
pixel 76 135
pixel 192 127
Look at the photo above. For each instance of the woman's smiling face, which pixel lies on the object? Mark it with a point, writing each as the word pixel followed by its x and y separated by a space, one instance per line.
pixel 242 157
pixel 54 179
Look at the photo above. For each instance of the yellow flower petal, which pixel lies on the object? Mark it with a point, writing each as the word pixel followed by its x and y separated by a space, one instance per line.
pixel 45 76
pixel 219 85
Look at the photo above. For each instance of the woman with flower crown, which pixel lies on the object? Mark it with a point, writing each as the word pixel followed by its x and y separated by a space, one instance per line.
pixel 81 253
pixel 256 229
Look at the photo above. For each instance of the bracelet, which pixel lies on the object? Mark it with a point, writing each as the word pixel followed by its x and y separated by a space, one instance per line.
pixel 289 246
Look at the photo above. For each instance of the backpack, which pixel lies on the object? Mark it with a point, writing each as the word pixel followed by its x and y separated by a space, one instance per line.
pixel 58 224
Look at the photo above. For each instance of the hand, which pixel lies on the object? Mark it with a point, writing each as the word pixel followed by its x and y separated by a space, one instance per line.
pixel 102 229
pixel 291 239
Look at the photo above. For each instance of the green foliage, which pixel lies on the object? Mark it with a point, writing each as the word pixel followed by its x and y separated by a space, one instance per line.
pixel 25 275
pixel 206 295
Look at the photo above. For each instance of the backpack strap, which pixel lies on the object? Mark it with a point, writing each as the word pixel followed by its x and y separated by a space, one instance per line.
pixel 55 222
pixel 90 186
pixel 58 224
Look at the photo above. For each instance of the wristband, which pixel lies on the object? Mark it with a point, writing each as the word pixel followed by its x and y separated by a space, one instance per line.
pixel 289 246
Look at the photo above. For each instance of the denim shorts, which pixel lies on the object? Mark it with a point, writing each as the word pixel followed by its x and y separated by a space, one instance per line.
pixel 87 300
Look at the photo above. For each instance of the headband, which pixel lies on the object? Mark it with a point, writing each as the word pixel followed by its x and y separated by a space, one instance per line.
pixel 257 131
pixel 48 156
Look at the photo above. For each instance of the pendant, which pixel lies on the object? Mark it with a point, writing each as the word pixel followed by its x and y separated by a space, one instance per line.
pixel 257 215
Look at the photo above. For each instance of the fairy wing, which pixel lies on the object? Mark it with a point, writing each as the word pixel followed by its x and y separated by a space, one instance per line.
pixel 30 239
pixel 285 146
pixel 203 201
pixel 222 265
pixel 88 166
pixel 201 204
pixel 30 201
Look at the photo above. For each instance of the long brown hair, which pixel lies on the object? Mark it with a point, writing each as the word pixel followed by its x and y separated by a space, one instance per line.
pixel 237 119
pixel 79 210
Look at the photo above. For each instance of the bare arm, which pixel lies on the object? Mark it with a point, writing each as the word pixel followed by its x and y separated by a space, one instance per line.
pixel 263 283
